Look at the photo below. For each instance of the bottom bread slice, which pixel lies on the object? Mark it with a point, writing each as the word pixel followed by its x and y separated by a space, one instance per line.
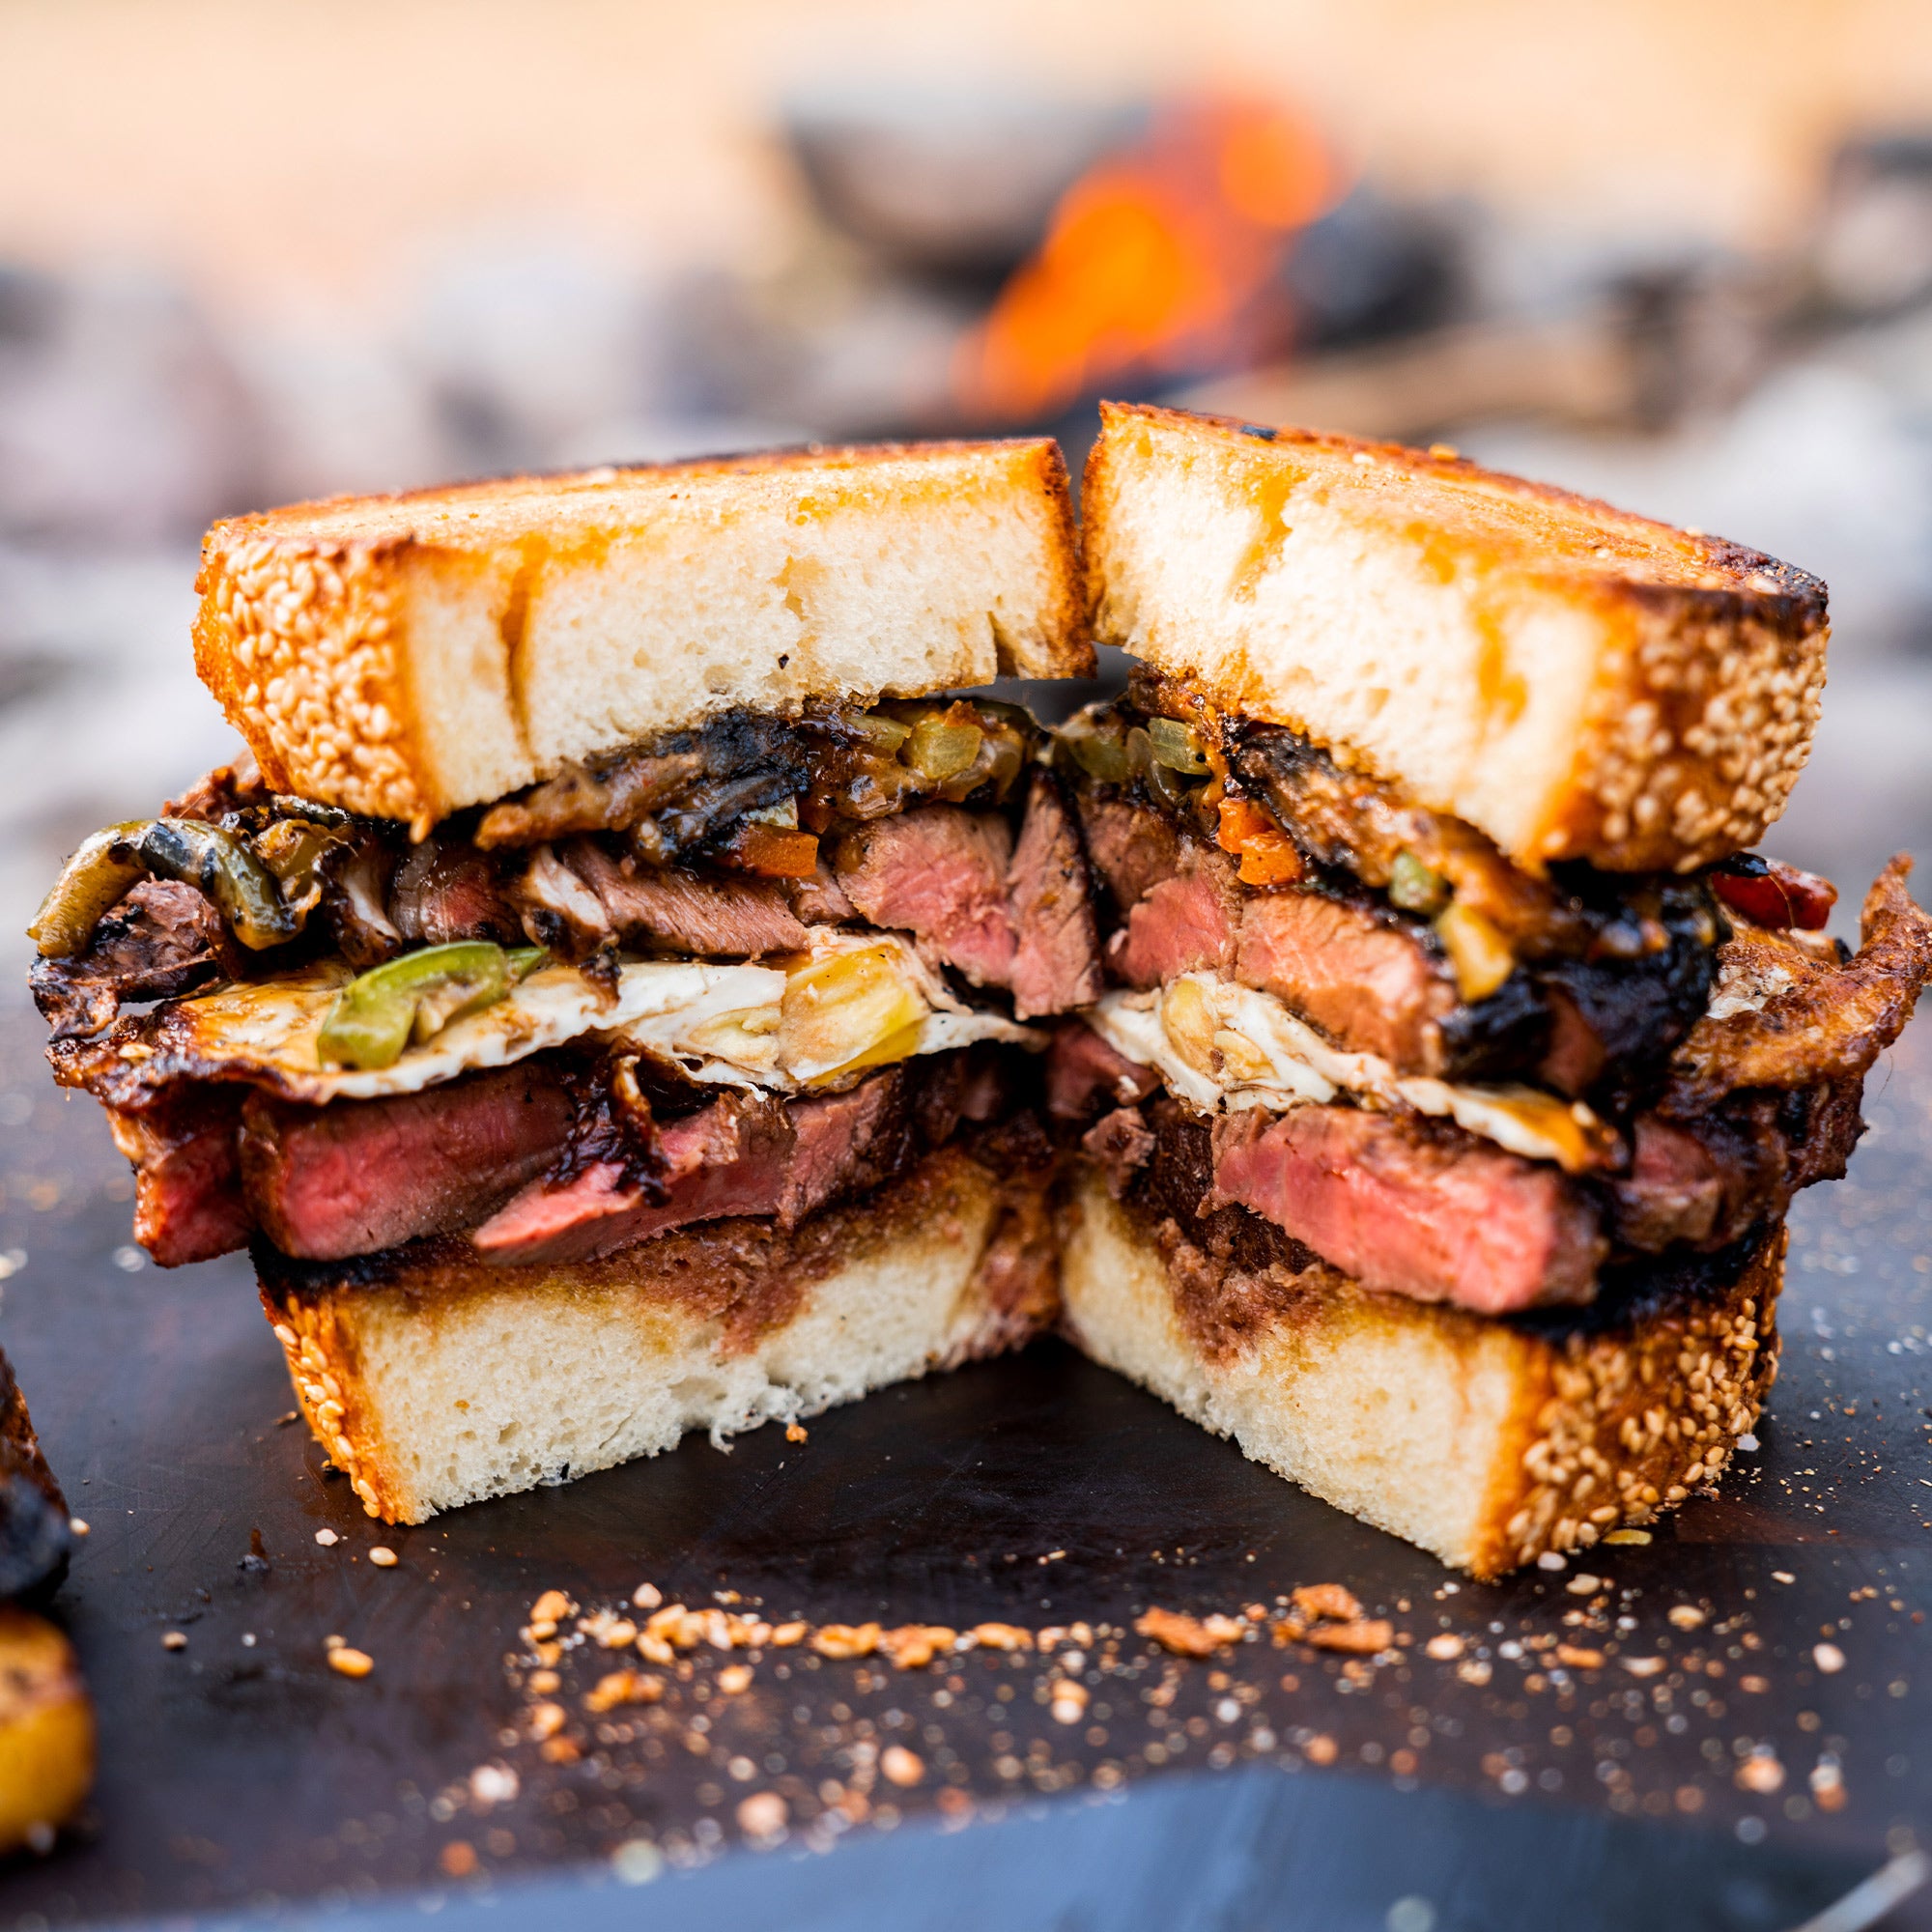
pixel 1486 1442
pixel 432 1378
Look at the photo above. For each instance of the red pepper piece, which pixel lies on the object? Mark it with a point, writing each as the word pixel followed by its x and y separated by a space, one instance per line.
pixel 1782 895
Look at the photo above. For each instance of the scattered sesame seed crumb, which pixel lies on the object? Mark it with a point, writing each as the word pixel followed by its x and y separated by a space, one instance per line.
pixel 350 1662
pixel 796 1432
pixel 383 1558
pixel 328 1538
pixel 174 1641
pixel 646 1596
pixel 78 1525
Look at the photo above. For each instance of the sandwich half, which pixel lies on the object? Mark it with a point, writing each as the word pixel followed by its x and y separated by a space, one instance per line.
pixel 608 1000
pixel 1456 1067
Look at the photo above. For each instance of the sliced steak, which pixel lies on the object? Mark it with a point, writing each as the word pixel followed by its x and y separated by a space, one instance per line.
pixel 1084 1074
pixel 1057 960
pixel 442 893
pixel 189 1205
pixel 1132 847
pixel 1185 923
pixel 691 912
pixel 1368 987
pixel 939 874
pixel 739 1155
pixel 164 939
pixel 820 901
pixel 358 1176
pixel 1411 1210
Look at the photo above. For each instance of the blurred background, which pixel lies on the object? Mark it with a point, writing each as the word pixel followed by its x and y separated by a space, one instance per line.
pixel 253 250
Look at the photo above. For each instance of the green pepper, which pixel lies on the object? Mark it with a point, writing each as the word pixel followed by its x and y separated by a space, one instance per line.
pixel 1176 747
pixel 223 866
pixel 96 878
pixel 1415 886
pixel 375 1016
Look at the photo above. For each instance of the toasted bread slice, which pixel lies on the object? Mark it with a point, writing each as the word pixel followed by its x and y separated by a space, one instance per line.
pixel 404 656
pixel 1487 1442
pixel 432 1378
pixel 1577 682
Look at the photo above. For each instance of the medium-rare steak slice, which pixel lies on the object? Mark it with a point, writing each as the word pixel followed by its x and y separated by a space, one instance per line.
pixel 1370 986
pixel 189 1205
pixel 1411 1209
pixel 1184 924
pixel 1057 960
pixel 350 1178
pixel 739 1155
pixel 939 874
pixel 1084 1074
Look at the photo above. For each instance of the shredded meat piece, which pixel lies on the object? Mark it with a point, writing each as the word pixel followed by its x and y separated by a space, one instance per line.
pixel 607 795
pixel 691 911
pixel 1120 1143
pixel 444 893
pixel 164 938
pixel 1829 1024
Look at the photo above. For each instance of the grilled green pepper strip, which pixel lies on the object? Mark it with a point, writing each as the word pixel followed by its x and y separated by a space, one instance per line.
pixel 95 879
pixel 226 870
pixel 374 1016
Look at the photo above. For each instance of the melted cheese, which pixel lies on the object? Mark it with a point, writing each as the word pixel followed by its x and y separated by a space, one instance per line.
pixel 720 1023
pixel 1224 1047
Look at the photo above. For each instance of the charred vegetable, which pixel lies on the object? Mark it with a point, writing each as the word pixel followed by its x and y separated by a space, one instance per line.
pixel 35 1536
pixel 95 879
pixel 224 867
pixel 376 1016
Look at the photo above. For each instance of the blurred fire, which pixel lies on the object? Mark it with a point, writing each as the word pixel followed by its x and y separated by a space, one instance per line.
pixel 1161 259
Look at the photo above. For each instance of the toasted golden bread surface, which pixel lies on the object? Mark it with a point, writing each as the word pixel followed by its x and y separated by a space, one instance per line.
pixel 1575 681
pixel 1487 1442
pixel 406 656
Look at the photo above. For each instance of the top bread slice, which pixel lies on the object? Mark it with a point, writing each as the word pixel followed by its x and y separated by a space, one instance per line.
pixel 1575 681
pixel 406 656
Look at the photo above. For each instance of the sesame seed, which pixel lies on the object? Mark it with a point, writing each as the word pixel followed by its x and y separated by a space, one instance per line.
pixel 382 1556
pixel 350 1662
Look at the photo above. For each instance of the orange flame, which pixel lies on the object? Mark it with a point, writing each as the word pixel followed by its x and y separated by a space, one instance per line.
pixel 1154 260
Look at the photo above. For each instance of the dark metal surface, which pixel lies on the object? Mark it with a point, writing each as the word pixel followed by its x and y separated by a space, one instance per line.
pixel 248 1778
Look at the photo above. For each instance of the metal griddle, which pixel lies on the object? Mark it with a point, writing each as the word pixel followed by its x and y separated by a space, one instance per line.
pixel 251 1779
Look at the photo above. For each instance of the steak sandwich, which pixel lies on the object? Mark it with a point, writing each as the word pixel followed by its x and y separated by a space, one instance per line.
pixel 606 1000
pixel 1459 1059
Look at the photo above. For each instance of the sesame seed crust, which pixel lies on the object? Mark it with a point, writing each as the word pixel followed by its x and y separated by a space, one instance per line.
pixel 318 1343
pixel 1614 1428
pixel 299 642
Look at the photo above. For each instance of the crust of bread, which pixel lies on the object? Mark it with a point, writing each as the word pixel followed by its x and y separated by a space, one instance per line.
pixel 1487 1442
pixel 435 1379
pixel 1575 681
pixel 406 656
